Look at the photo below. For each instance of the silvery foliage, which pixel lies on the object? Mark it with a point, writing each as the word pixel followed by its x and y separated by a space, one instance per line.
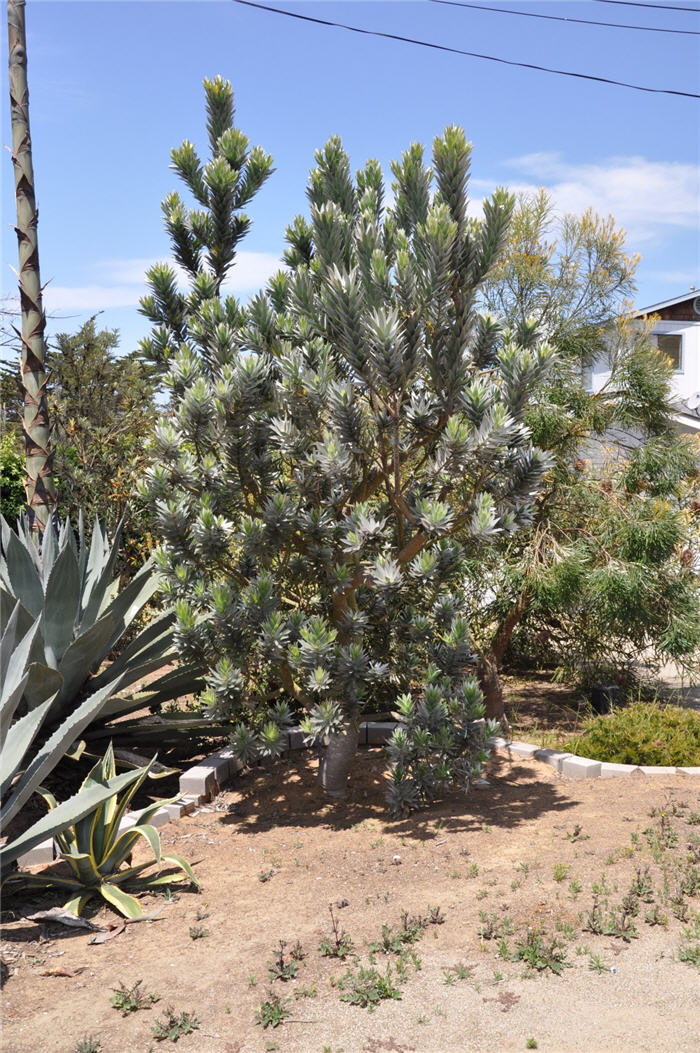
pixel 332 455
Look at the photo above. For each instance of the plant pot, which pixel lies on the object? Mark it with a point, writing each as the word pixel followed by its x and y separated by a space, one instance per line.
pixel 604 697
pixel 336 755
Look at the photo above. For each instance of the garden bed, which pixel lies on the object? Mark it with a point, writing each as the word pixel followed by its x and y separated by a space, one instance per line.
pixel 272 855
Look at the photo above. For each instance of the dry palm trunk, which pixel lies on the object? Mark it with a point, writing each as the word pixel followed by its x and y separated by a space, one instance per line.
pixel 41 491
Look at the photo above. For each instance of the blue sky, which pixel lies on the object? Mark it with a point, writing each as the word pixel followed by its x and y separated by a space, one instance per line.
pixel 113 86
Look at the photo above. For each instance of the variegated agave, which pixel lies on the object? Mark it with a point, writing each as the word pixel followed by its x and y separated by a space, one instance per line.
pixel 69 592
pixel 99 854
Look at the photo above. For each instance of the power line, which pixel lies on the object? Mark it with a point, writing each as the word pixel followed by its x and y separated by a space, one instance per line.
pixel 469 54
pixel 563 18
pixel 659 7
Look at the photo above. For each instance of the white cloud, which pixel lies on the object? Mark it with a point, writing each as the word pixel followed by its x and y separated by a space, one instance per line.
pixel 643 196
pixel 122 282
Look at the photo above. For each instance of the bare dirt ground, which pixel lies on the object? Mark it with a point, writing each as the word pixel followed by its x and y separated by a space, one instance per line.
pixel 271 856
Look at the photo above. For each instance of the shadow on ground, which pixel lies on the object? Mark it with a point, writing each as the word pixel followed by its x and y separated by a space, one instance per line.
pixel 288 796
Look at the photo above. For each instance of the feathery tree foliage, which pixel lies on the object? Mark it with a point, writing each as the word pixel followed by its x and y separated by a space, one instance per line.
pixel 336 452
pixel 102 409
pixel 573 589
pixel 41 491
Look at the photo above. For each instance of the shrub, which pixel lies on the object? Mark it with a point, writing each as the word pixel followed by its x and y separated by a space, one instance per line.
pixel 642 733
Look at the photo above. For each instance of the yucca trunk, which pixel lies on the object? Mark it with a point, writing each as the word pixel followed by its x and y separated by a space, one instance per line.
pixel 41 491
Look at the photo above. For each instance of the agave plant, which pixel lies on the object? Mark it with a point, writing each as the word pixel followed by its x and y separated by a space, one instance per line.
pixel 68 589
pixel 23 764
pixel 99 854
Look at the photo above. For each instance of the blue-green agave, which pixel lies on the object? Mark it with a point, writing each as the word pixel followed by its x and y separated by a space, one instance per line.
pixel 69 593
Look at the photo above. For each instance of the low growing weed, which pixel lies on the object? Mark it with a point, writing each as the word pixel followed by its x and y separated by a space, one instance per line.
pixel 367 987
pixel 174 1025
pixel 131 999
pixel 273 1012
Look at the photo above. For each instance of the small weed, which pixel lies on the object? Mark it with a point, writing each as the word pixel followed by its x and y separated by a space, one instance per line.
pixel 131 999
pixel 497 976
pixel 202 913
pixel 504 949
pixel 473 870
pixel 340 946
pixel 596 964
pixel 457 972
pixel 170 896
pixel 494 926
pixel 642 886
pixel 273 1012
pixel 693 819
pixel 575 888
pixel 540 952
pixel 689 947
pixel 560 871
pixel 531 1043
pixel 280 969
pixel 567 930
pixel 88 1044
pixel 306 992
pixel 174 1025
pixel 576 834
pixel 656 916
pixel 481 894
pixel 251 980
pixel 367 987
pixel 297 952
pixel 197 932
pixel 435 916
pixel 266 875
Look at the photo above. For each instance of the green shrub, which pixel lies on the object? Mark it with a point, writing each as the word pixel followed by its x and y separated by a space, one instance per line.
pixel 642 733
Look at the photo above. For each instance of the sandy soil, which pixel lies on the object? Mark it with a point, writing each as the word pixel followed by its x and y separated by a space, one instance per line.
pixel 499 851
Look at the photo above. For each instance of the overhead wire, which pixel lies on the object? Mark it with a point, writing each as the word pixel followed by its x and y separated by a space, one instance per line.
pixel 564 18
pixel 469 54
pixel 659 7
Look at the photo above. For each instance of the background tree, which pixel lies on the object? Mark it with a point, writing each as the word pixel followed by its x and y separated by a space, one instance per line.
pixel 103 411
pixel 337 451
pixel 594 608
pixel 41 491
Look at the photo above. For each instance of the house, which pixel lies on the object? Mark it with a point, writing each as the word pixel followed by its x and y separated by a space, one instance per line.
pixel 676 330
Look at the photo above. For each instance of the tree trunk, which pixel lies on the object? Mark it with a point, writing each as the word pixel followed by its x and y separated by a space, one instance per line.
pixel 489 665
pixel 41 491
pixel 336 755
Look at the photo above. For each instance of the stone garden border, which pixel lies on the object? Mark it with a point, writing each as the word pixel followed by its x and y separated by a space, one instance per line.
pixel 203 781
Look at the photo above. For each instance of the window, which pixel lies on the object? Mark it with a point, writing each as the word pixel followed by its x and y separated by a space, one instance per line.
pixel 671 345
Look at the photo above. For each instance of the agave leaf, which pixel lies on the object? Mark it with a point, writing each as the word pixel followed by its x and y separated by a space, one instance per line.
pixel 155 641
pixel 131 674
pixel 61 604
pixel 83 655
pixel 65 814
pixel 84 866
pixel 77 904
pixel 98 573
pixel 23 578
pixel 123 804
pixel 49 754
pixel 7 605
pixel 18 740
pixel 129 602
pixel 41 681
pixel 124 846
pixel 7 644
pixel 47 879
pixel 49 549
pixel 125 904
pixel 182 864
pixel 185 680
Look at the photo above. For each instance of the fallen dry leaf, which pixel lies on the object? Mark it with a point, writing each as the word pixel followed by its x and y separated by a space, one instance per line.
pixel 63 970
